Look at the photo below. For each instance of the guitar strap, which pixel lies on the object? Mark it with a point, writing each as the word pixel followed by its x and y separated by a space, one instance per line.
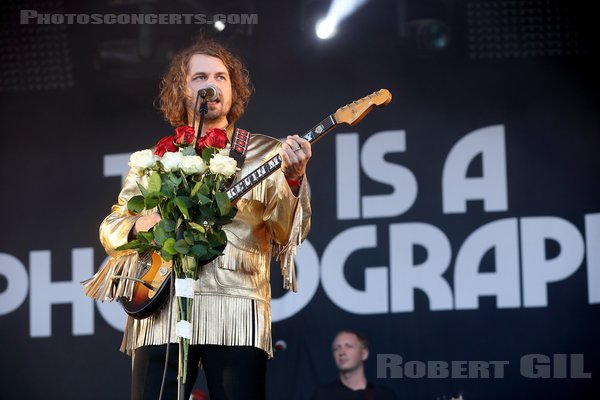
pixel 239 146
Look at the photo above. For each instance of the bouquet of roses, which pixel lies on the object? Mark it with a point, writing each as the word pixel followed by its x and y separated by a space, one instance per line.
pixel 186 185
pixel 184 180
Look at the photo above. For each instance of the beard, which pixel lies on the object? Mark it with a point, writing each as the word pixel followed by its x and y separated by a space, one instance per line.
pixel 214 115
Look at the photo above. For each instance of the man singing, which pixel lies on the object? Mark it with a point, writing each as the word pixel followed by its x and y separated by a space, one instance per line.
pixel 231 332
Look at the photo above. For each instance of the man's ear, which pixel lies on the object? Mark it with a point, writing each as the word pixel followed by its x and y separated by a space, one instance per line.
pixel 365 354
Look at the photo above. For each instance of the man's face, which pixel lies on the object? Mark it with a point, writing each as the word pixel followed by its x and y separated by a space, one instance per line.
pixel 348 352
pixel 206 70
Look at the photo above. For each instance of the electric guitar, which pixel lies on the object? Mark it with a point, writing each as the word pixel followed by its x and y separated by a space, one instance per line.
pixel 152 275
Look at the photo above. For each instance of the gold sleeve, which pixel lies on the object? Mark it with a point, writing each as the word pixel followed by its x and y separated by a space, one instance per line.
pixel 289 219
pixel 281 209
pixel 114 232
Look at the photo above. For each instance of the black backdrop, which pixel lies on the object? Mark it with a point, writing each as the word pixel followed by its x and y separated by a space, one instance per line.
pixel 518 273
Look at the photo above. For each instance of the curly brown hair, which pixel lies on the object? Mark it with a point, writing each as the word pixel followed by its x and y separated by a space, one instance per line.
pixel 172 95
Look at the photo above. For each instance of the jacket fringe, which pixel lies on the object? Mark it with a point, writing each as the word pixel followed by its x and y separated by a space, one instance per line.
pixel 237 259
pixel 285 254
pixel 102 286
pixel 216 319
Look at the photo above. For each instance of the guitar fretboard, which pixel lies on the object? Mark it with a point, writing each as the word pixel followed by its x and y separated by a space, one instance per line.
pixel 260 173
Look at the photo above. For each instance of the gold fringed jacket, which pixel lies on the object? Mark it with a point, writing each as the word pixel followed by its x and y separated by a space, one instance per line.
pixel 233 293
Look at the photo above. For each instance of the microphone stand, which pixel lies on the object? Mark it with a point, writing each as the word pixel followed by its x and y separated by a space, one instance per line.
pixel 203 110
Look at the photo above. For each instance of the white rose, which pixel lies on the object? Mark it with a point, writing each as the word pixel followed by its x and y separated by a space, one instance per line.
pixel 141 160
pixel 193 165
pixel 171 161
pixel 224 165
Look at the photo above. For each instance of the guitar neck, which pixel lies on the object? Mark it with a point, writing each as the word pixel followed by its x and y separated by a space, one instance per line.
pixel 266 169
pixel 349 114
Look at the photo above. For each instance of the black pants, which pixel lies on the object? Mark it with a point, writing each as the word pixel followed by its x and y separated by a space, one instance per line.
pixel 232 372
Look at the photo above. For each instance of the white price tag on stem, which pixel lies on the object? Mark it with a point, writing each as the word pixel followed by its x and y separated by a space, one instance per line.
pixel 185 287
pixel 184 329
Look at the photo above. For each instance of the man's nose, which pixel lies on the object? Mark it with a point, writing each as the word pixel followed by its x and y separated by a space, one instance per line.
pixel 211 80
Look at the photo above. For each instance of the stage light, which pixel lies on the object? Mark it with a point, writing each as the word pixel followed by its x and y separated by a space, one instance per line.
pixel 431 35
pixel 425 26
pixel 338 11
pixel 325 29
pixel 219 25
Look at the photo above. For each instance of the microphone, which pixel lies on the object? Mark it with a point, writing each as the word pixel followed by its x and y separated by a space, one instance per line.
pixel 280 346
pixel 209 93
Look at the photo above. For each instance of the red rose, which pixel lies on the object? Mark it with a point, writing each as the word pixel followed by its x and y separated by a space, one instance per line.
pixel 165 144
pixel 215 137
pixel 184 134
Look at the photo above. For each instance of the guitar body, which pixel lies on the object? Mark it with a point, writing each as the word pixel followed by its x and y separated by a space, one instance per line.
pixel 152 284
pixel 155 272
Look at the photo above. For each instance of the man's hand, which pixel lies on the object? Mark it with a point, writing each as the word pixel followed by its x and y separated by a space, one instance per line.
pixel 145 223
pixel 295 153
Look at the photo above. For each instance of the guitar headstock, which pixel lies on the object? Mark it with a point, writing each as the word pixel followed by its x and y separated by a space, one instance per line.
pixel 352 113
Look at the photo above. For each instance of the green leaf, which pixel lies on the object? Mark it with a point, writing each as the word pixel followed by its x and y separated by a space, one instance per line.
pixel 168 210
pixel 134 244
pixel 160 235
pixel 217 238
pixel 201 239
pixel 202 199
pixel 154 182
pixel 165 255
pixel 181 247
pixel 197 227
pixel 181 205
pixel 187 201
pixel 207 154
pixel 226 219
pixel 205 190
pixel 214 252
pixel 199 250
pixel 151 200
pixel 188 151
pixel 195 189
pixel 222 236
pixel 169 246
pixel 142 189
pixel 168 188
pixel 175 179
pixel 188 236
pixel 169 225
pixel 223 203
pixel 207 212
pixel 136 204
pixel 145 237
